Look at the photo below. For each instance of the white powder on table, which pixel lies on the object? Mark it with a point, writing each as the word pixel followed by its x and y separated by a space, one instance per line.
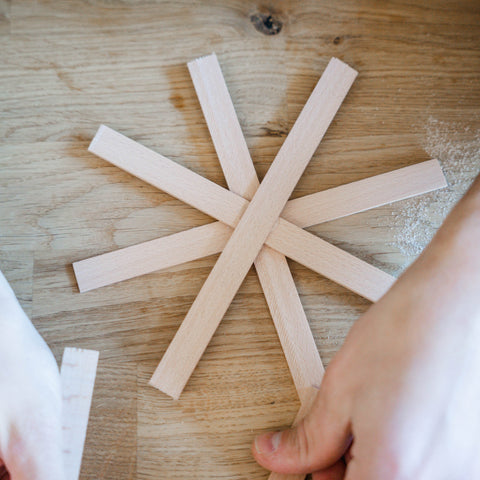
pixel 458 150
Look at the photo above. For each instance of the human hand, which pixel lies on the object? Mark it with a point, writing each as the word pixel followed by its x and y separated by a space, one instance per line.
pixel 401 399
pixel 30 398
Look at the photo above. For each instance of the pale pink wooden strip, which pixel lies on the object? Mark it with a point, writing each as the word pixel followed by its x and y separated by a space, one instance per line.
pixel 223 125
pixel 319 207
pixel 151 256
pixel 280 292
pixel 334 263
pixel 209 307
pixel 290 320
pixel 167 175
pixel 365 194
pixel 77 374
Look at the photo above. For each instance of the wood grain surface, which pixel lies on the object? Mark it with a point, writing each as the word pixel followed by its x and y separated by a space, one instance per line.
pixel 67 67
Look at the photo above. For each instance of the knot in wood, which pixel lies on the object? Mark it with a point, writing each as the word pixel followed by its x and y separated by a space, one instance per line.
pixel 266 23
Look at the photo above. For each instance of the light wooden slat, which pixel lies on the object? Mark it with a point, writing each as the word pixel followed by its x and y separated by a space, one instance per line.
pixel 123 153
pixel 151 256
pixel 168 176
pixel 290 321
pixel 334 263
pixel 216 294
pixel 223 125
pixel 226 206
pixel 210 239
pixel 365 194
pixel 274 274
pixel 77 373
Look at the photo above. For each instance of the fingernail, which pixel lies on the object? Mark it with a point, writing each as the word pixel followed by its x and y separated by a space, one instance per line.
pixel 268 443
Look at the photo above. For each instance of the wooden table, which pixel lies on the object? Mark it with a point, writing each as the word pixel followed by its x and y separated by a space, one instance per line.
pixel 68 66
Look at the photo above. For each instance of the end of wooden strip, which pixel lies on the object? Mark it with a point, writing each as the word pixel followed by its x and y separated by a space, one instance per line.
pixel 376 286
pixel 174 370
pixel 440 179
pixel 337 63
pixel 157 381
pixel 79 357
pixel 102 129
pixel 78 271
pixel 203 58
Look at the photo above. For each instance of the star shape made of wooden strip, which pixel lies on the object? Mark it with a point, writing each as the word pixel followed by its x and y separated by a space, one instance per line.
pixel 252 210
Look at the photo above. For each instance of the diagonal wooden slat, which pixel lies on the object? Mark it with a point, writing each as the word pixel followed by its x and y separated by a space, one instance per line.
pixel 272 268
pixel 167 175
pixel 254 226
pixel 199 242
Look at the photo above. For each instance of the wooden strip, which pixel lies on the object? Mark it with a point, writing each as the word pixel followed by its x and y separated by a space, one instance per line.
pixel 361 195
pixel 151 256
pixel 209 239
pixel 290 321
pixel 77 374
pixel 334 263
pixel 223 125
pixel 275 277
pixel 365 194
pixel 168 176
pixel 215 296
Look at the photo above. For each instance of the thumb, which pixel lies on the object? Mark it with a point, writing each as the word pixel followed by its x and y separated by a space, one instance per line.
pixel 316 443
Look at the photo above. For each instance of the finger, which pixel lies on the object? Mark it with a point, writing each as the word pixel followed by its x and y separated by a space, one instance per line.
pixel 352 471
pixel 335 472
pixel 318 442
